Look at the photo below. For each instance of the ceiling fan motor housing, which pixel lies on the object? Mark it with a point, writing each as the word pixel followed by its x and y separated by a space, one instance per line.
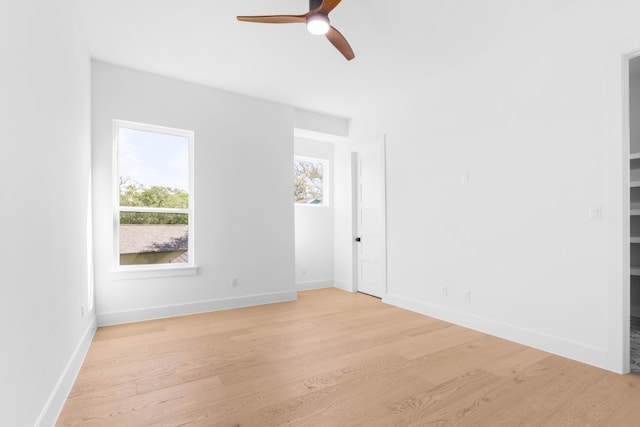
pixel 313 4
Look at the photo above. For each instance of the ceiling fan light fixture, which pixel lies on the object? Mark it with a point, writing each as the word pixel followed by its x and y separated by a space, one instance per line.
pixel 318 24
pixel 317 21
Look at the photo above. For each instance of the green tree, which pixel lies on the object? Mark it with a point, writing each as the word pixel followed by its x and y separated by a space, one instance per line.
pixel 134 194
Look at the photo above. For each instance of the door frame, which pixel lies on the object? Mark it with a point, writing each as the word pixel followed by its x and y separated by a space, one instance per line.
pixel 626 207
pixel 354 149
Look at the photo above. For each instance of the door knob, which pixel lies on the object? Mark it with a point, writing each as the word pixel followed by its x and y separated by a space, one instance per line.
pixel 357 239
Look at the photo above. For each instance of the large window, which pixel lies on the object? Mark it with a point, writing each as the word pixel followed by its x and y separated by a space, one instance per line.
pixel 153 213
pixel 310 181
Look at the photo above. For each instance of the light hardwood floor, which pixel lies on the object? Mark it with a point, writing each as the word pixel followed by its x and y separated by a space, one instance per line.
pixel 334 359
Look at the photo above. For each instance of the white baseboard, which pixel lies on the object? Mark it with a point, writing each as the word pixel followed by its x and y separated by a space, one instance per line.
pixel 572 350
pixel 343 285
pixel 150 313
pixel 314 284
pixel 58 397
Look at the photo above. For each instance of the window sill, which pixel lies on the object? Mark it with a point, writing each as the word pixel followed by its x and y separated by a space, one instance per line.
pixel 307 205
pixel 151 273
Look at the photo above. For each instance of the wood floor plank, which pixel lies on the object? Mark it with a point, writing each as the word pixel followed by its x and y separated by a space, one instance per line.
pixel 438 340
pixel 353 404
pixel 594 405
pixel 333 358
pixel 533 408
pixel 324 402
pixel 415 407
pixel 512 364
pixel 488 406
pixel 251 406
pixel 625 414
pixel 459 359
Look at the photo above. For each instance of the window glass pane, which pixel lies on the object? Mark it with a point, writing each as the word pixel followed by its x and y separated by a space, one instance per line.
pixel 153 238
pixel 153 169
pixel 308 182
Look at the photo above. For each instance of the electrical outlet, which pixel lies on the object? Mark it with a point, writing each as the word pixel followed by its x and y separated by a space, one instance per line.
pixel 467 295
pixel 444 291
pixel 595 213
pixel 234 282
pixel 465 178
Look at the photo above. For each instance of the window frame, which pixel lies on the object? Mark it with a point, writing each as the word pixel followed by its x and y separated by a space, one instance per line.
pixel 151 270
pixel 326 201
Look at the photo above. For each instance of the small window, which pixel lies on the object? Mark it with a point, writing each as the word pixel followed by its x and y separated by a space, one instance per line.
pixel 310 181
pixel 154 198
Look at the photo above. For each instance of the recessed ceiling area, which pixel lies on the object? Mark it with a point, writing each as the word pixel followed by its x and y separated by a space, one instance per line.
pixel 397 45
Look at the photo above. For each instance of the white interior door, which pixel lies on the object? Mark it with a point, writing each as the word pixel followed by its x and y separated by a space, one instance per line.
pixel 370 222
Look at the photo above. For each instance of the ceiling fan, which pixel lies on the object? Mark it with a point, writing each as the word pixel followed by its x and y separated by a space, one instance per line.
pixel 317 20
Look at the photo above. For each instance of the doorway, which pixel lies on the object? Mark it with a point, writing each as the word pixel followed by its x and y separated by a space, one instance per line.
pixel 313 214
pixel 369 217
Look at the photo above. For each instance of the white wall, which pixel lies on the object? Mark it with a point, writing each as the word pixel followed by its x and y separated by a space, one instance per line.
pixel 314 226
pixel 243 211
pixel 320 127
pixel 44 169
pixel 536 121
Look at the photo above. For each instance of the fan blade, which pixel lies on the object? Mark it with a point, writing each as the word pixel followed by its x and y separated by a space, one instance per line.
pixel 328 5
pixel 274 19
pixel 338 40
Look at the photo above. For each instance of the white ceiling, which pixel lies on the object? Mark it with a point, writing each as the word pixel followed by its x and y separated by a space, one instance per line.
pixel 398 44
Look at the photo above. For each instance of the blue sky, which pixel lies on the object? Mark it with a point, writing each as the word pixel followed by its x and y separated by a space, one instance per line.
pixel 153 158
